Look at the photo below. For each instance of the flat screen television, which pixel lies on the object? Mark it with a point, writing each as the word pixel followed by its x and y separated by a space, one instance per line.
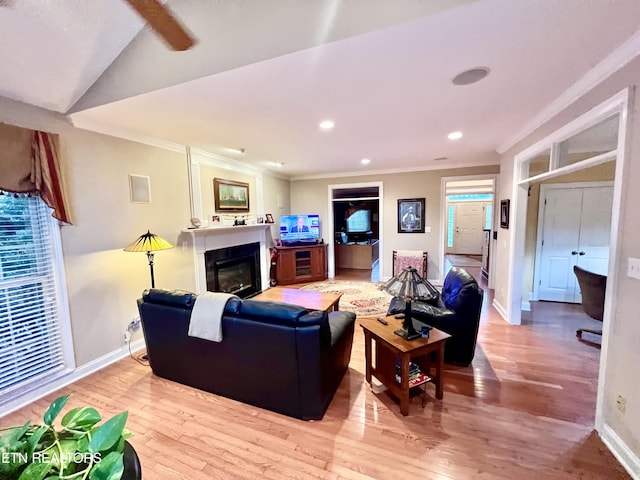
pixel 299 229
pixel 359 222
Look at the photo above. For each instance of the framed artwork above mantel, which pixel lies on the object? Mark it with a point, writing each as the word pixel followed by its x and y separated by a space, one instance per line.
pixel 230 196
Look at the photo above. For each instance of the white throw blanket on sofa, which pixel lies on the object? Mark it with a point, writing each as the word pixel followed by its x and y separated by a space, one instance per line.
pixel 206 316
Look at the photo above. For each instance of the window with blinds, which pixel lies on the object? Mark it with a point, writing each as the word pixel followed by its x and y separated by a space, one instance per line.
pixel 32 340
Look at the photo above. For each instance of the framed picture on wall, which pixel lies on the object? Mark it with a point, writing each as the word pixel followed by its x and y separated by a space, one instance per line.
pixel 230 196
pixel 411 215
pixel 504 213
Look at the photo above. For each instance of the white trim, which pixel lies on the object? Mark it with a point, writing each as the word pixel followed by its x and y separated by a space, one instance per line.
pixel 620 57
pixel 74 376
pixel 392 171
pixel 199 156
pixel 619 187
pixel 574 167
pixel 120 132
pixel 331 264
pixel 62 296
pixel 499 308
pixel 525 306
pixel 621 451
pixel 618 103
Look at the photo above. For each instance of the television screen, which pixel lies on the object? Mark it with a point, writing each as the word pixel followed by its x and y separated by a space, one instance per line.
pixel 299 228
pixel 359 222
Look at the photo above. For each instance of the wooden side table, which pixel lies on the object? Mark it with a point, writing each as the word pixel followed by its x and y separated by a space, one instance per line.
pixel 391 348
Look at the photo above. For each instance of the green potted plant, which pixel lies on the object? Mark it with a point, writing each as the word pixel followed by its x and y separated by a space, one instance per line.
pixel 81 449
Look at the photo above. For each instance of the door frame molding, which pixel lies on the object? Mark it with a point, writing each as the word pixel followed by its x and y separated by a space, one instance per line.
pixel 331 264
pixel 535 296
pixel 443 218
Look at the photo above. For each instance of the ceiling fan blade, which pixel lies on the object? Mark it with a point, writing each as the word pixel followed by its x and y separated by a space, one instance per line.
pixel 163 22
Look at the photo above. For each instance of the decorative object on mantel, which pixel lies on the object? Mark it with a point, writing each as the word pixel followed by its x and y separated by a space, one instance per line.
pixel 29 164
pixel 269 218
pixel 230 196
pixel 408 285
pixel 149 243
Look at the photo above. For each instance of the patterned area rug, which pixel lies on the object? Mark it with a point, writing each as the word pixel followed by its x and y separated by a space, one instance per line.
pixel 362 298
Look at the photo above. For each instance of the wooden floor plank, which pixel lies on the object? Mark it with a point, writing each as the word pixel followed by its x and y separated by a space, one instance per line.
pixel 524 409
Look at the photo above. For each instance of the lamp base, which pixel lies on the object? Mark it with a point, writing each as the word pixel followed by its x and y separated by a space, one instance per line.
pixel 407 335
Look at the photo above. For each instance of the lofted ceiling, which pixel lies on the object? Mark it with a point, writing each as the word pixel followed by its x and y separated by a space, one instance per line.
pixel 264 73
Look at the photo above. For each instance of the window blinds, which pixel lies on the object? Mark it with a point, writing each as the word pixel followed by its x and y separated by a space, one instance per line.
pixel 31 340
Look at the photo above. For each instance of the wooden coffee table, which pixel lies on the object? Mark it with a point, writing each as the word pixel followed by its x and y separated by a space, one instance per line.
pixel 306 298
pixel 391 348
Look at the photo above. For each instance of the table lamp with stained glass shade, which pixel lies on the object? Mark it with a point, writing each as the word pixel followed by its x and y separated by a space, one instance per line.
pixel 148 243
pixel 408 285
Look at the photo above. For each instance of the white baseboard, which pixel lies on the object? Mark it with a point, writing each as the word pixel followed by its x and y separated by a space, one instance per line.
pixel 501 310
pixel 525 306
pixel 621 451
pixel 73 376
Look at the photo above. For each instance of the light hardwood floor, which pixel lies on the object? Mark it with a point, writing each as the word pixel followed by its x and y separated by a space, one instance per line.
pixel 523 410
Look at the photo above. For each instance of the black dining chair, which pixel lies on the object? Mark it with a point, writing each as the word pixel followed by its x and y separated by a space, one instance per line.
pixel 592 287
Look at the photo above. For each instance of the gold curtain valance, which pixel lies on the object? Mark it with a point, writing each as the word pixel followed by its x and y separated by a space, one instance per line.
pixel 29 164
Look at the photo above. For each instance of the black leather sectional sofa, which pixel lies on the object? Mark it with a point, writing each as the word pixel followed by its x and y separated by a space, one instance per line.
pixel 273 355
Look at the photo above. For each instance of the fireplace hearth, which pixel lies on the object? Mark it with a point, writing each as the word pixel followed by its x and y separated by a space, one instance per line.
pixel 234 270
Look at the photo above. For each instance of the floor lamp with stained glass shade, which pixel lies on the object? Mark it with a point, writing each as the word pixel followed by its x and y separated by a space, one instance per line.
pixel 408 285
pixel 149 243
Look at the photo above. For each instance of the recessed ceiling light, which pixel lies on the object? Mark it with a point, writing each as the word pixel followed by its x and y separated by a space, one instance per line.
pixel 470 76
pixel 277 164
pixel 440 159
pixel 455 136
pixel 365 161
pixel 326 124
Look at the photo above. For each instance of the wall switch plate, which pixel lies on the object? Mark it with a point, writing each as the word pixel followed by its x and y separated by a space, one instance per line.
pixel 633 269
pixel 427 229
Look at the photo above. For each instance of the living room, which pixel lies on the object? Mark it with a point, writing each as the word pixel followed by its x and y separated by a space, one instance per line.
pixel 102 282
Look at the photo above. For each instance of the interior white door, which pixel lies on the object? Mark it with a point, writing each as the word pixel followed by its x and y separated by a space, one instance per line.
pixel 468 234
pixel 576 224
pixel 595 228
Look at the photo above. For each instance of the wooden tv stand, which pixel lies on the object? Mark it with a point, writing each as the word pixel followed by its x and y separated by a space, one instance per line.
pixel 300 264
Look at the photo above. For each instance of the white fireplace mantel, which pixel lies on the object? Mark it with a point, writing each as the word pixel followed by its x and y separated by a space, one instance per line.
pixel 212 238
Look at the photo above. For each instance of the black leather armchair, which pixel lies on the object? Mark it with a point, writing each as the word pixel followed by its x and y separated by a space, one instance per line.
pixel 276 356
pixel 456 311
pixel 592 287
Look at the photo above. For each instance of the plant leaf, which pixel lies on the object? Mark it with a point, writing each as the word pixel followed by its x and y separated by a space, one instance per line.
pixel 81 418
pixel 110 467
pixel 54 409
pixel 13 435
pixel 35 437
pixel 35 471
pixel 107 434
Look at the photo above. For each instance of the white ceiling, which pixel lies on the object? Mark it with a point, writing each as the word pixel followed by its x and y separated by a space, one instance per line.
pixel 264 73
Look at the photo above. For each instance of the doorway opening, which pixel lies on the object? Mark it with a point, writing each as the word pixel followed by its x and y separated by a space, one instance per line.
pixel 468 219
pixel 356 218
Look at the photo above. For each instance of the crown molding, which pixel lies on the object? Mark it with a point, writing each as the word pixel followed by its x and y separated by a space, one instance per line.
pixel 115 131
pixel 620 57
pixel 390 171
